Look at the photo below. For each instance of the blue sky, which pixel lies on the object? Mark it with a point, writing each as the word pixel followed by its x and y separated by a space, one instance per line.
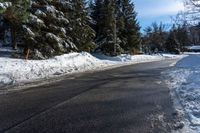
pixel 157 10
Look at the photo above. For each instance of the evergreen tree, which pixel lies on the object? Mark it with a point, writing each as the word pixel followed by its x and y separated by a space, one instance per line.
pixel 48 29
pixel 131 32
pixel 82 33
pixel 172 44
pixel 96 14
pixel 116 26
pixel 182 36
pixel 105 18
pixel 15 15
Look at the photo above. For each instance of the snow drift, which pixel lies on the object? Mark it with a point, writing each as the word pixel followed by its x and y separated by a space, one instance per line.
pixel 14 71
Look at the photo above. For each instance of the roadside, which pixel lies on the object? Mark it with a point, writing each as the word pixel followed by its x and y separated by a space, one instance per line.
pixel 132 98
pixel 19 72
pixel 184 82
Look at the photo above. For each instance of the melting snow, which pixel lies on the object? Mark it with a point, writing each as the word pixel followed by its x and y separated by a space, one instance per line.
pixel 185 84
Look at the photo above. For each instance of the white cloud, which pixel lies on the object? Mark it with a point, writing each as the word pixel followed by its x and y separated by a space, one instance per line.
pixel 149 9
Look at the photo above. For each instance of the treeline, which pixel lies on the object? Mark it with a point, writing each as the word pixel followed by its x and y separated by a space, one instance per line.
pixel 163 38
pixel 175 39
pixel 45 28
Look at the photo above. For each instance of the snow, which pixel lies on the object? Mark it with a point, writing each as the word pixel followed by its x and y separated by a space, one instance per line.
pixel 185 89
pixel 5 5
pixel 28 31
pixel 51 9
pixel 35 20
pixel 40 13
pixel 14 71
pixel 196 47
pixel 53 37
pixel 136 58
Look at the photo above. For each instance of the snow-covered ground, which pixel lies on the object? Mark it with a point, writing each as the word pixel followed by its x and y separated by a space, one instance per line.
pixel 14 71
pixel 185 89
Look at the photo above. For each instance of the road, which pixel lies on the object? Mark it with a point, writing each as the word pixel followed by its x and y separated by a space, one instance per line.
pixel 129 99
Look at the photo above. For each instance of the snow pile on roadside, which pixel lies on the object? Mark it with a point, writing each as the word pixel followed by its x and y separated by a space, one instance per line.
pixel 129 58
pixel 185 84
pixel 124 58
pixel 18 70
pixel 14 71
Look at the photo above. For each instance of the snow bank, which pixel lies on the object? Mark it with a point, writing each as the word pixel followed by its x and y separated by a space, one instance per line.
pixel 17 70
pixel 124 58
pixel 14 71
pixel 185 85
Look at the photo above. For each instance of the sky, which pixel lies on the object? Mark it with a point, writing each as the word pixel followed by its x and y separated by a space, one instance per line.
pixel 150 11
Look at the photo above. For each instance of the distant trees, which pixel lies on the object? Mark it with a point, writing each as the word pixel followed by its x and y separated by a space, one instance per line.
pixel 155 36
pixel 158 38
pixel 171 43
pixel 178 38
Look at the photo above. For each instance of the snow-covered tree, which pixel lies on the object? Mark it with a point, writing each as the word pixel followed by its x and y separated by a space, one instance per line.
pixel 116 26
pixel 82 34
pixel 104 14
pixel 15 14
pixel 48 28
pixel 57 27
pixel 131 32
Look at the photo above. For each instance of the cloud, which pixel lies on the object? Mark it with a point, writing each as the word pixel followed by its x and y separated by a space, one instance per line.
pixel 150 8
pixel 157 11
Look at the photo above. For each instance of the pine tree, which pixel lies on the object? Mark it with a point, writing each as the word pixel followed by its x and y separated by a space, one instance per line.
pixel 82 33
pixel 182 36
pixel 116 26
pixel 96 14
pixel 172 44
pixel 16 14
pixel 104 14
pixel 132 29
pixel 46 32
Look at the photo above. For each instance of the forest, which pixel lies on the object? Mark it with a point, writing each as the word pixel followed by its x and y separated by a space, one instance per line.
pixel 40 29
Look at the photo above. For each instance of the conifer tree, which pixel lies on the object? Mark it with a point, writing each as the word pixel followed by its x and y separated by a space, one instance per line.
pixel 16 14
pixel 104 14
pixel 96 14
pixel 82 33
pixel 172 44
pixel 116 25
pixel 132 29
pixel 182 36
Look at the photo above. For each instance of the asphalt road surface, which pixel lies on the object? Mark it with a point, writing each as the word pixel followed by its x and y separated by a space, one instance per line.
pixel 129 99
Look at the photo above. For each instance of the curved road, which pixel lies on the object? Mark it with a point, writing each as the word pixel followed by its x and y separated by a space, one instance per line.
pixel 129 99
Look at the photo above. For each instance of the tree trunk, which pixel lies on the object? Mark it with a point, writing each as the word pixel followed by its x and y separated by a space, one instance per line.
pixel 27 53
pixel 13 36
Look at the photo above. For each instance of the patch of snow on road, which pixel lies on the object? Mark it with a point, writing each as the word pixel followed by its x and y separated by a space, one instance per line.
pixel 185 83
pixel 13 71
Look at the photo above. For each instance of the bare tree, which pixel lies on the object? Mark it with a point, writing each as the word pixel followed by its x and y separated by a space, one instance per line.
pixel 192 11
